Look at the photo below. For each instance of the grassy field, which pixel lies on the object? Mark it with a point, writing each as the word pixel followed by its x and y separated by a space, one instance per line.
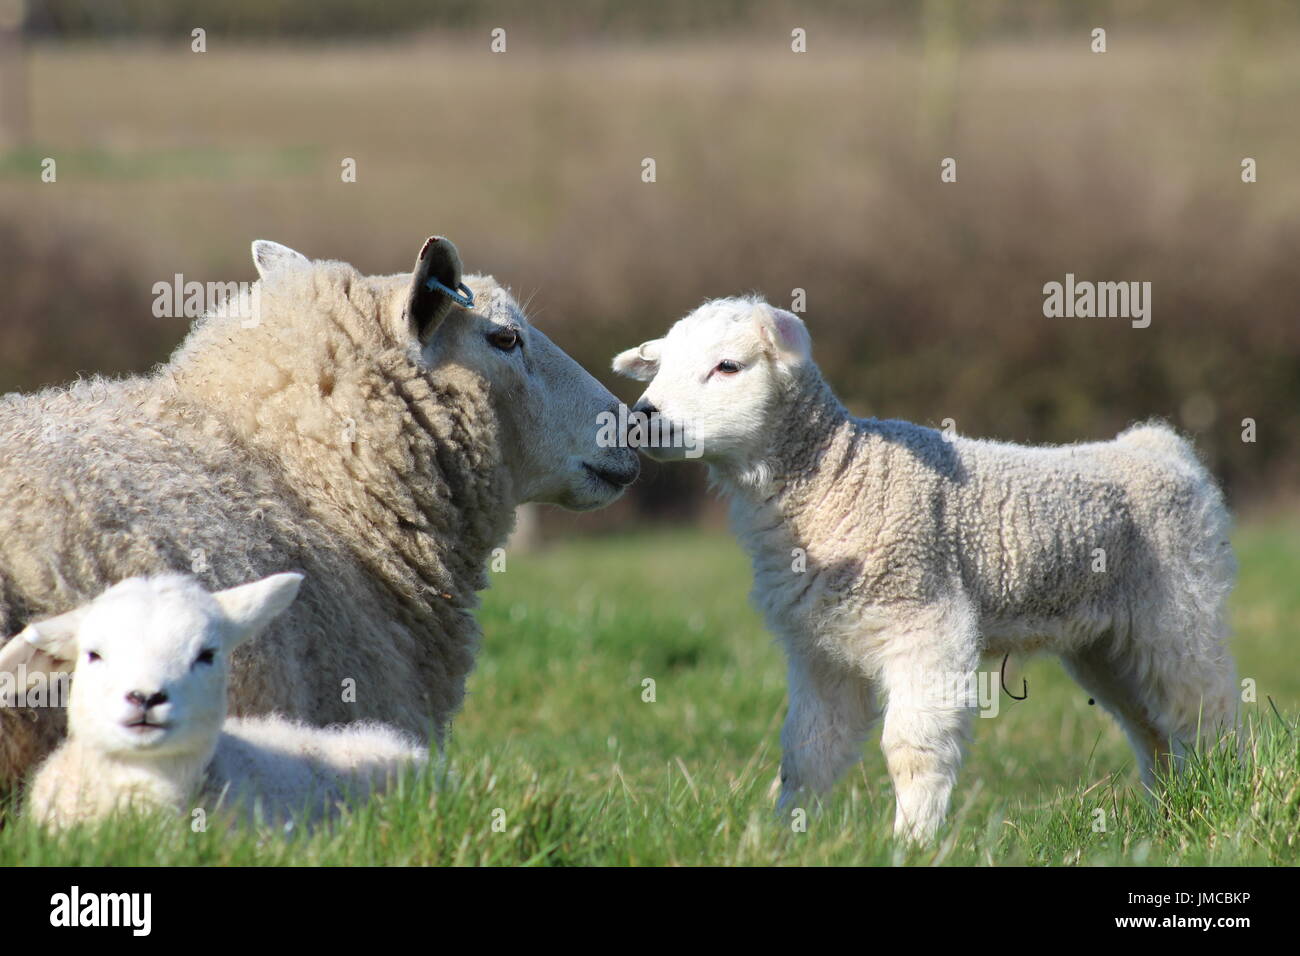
pixel 558 749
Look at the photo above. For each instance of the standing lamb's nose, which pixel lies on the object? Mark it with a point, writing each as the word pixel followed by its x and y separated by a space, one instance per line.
pixel 645 407
pixel 140 700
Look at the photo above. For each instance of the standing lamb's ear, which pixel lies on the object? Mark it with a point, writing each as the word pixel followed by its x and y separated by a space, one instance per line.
pixel 436 279
pixel 55 636
pixel 640 363
pixel 251 607
pixel 784 332
pixel 269 256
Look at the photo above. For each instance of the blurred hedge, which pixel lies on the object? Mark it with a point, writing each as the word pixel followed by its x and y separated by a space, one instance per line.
pixel 775 172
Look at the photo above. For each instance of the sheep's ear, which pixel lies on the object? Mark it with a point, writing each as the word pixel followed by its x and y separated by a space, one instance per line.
pixel 54 636
pixel 436 278
pixel 251 607
pixel 640 363
pixel 270 257
pixel 784 332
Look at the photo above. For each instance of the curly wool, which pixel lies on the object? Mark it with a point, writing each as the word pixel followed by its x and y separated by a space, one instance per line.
pixel 893 513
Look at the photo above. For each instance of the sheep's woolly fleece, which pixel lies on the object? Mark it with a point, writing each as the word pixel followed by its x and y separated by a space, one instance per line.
pixel 311 441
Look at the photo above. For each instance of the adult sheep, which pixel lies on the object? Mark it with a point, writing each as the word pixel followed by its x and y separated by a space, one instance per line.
pixel 371 431
pixel 889 558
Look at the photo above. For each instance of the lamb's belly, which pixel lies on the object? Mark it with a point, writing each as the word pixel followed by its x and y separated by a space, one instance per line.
pixel 1050 602
pixel 855 629
pixel 1057 634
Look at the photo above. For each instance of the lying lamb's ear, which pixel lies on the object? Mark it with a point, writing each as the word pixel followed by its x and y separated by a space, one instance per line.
pixel 640 363
pixel 55 636
pixel 20 656
pixel 784 332
pixel 251 607
pixel 435 281
pixel 15 653
pixel 269 256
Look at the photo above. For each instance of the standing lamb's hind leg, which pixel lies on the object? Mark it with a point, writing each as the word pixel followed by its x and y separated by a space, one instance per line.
pixel 1115 684
pixel 1192 679
pixel 831 714
pixel 926 720
pixel 1171 663
pixel 1166 706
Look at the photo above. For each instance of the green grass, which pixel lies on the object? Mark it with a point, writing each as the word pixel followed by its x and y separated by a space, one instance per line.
pixel 557 746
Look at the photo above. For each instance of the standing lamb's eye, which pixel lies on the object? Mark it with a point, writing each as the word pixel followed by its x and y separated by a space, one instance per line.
pixel 93 656
pixel 504 338
pixel 206 656
pixel 728 367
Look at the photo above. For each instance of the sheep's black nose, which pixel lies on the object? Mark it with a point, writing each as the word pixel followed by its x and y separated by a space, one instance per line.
pixel 153 700
pixel 645 408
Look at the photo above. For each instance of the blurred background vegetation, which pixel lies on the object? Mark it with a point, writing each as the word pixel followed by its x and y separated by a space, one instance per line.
pixel 775 171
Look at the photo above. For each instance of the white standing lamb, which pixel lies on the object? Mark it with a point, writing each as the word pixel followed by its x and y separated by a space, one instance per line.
pixel 890 557
pixel 147 722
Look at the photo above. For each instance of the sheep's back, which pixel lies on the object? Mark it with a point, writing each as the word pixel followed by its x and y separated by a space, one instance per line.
pixel 1041 531
pixel 891 515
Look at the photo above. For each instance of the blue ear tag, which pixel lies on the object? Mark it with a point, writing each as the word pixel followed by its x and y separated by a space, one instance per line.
pixel 461 294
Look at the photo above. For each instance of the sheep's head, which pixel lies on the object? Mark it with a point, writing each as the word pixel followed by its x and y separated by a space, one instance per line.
pixel 550 409
pixel 151 659
pixel 713 381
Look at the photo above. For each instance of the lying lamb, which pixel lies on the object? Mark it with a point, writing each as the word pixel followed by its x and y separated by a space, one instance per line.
pixel 891 557
pixel 147 715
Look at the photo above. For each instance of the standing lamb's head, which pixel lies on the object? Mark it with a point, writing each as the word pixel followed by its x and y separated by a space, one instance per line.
pixel 151 659
pixel 715 377
pixel 549 408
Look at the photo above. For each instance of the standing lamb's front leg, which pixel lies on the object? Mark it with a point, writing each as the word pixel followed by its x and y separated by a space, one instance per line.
pixel 830 717
pixel 927 717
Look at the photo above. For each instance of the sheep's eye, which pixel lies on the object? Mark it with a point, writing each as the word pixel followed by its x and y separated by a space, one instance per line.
pixel 93 656
pixel 504 339
pixel 728 367
pixel 206 657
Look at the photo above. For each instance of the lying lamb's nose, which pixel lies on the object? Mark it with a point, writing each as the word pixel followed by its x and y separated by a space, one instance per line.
pixel 152 700
pixel 645 407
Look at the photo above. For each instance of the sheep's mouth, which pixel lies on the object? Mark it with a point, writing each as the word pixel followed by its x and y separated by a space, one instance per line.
pixel 618 479
pixel 144 725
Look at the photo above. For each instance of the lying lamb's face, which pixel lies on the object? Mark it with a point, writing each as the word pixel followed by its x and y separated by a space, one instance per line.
pixel 714 378
pixel 151 659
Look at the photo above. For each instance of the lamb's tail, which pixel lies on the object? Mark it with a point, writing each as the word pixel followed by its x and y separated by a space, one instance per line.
pixel 1159 439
